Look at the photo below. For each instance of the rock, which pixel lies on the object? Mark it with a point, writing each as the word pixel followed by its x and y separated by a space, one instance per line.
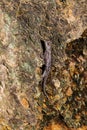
pixel 23 24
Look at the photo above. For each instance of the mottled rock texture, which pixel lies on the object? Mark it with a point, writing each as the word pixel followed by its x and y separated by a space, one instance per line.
pixel 23 24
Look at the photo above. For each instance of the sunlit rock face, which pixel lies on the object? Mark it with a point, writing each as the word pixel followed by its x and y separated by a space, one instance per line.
pixel 23 24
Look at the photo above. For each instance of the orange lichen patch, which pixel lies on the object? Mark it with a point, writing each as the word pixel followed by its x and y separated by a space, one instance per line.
pixel 39 109
pixel 83 128
pixel 38 73
pixel 66 74
pixel 38 70
pixel 24 103
pixel 6 128
pixel 58 126
pixel 78 117
pixel 69 91
pixel 54 126
pixel 1 120
pixel 44 105
pixel 40 117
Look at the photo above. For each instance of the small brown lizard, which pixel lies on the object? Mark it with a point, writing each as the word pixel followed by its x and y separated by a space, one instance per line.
pixel 47 63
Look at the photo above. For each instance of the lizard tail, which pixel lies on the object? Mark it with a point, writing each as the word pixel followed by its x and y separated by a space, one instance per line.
pixel 44 89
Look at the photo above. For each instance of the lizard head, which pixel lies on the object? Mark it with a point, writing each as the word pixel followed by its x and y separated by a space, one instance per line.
pixel 48 45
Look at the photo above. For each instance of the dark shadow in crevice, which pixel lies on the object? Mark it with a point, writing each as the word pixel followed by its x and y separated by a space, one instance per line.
pixel 43 45
pixel 43 49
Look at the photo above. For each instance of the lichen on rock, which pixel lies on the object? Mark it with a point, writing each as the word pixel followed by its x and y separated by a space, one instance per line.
pixel 23 24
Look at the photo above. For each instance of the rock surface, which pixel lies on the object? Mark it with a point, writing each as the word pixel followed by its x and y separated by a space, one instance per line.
pixel 23 24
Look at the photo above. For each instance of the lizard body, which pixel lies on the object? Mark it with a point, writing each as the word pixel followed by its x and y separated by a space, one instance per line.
pixel 47 63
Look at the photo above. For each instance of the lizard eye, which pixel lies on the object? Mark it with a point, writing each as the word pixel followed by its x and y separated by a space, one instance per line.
pixel 48 43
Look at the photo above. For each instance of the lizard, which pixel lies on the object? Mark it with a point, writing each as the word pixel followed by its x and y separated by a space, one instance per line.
pixel 46 45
